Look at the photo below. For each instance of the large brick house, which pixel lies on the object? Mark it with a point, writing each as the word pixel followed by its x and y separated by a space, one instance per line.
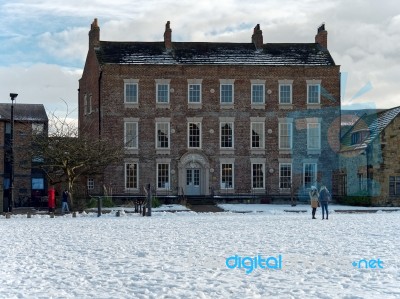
pixel 201 118
pixel 369 158
pixel 30 183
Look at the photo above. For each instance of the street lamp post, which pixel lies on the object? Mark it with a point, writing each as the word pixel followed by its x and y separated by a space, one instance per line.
pixel 11 197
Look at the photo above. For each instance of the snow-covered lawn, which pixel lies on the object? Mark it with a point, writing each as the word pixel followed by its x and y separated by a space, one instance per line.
pixel 183 255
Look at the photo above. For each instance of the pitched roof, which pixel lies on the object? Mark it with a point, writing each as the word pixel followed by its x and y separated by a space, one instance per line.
pixel 24 112
pixel 202 53
pixel 375 122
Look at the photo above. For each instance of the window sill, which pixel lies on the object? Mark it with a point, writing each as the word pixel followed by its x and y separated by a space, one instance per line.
pixel 258 106
pixel 286 106
pixel 284 190
pixel 195 105
pixel 226 151
pixel 131 151
pixel 160 151
pixel 313 106
pixel 131 105
pixel 313 152
pixel 227 106
pixel 260 151
pixel 285 152
pixel 163 106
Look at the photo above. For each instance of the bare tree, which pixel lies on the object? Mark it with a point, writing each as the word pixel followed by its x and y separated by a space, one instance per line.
pixel 65 156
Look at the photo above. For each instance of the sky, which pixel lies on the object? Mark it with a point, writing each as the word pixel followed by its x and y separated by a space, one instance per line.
pixel 43 43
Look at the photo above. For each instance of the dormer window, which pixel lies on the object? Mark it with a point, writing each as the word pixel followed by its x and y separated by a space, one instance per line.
pixel 359 136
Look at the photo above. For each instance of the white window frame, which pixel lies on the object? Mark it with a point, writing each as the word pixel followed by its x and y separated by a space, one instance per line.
pixel 315 170
pixel 263 176
pixel 85 104
pixel 222 175
pixel 90 183
pixel 135 97
pixel 163 84
pixel 223 97
pixel 132 138
pixel 281 85
pixel 260 134
pixel 167 184
pixel 290 136
pixel 221 130
pixel 262 94
pixel 310 85
pixel 158 125
pixel 190 99
pixel 189 133
pixel 310 142
pixel 135 176
pixel 280 176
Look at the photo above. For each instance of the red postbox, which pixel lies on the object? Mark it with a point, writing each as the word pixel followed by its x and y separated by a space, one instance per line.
pixel 52 199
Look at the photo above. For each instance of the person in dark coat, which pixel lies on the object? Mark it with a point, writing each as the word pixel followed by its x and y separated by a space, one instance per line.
pixel 64 203
pixel 324 198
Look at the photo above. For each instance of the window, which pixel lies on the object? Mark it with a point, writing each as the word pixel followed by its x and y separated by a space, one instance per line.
pixel 313 93
pixel 163 176
pixel 37 128
pixel 309 174
pixel 194 93
pixel 90 183
pixel 89 106
pixel 162 130
pixel 226 176
pixel 285 93
pixel 394 186
pixel 285 175
pixel 257 135
pixel 226 95
pixel 313 136
pixel 131 93
pixel 360 177
pixel 162 93
pixel 131 176
pixel 226 133
pixel 285 136
pixel 257 175
pixel 257 93
pixel 37 183
pixel 85 104
pixel 194 135
pixel 358 137
pixel 131 134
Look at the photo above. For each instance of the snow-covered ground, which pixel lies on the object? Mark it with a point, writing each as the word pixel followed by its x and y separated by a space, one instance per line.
pixel 184 254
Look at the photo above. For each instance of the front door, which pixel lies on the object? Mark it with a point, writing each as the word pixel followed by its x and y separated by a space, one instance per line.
pixel 193 181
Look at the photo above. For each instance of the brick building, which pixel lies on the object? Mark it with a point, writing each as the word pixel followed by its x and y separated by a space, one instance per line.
pixel 369 159
pixel 201 118
pixel 30 183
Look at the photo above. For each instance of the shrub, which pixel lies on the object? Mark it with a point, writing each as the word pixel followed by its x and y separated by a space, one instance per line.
pixel 155 202
pixel 362 200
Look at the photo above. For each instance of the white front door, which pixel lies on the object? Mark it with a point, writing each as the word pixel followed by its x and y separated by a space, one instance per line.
pixel 193 181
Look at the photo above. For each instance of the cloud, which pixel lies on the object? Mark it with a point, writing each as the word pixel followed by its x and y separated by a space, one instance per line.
pixel 44 42
pixel 45 84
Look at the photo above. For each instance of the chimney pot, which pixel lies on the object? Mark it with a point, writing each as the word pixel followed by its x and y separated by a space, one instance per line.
pixel 322 36
pixel 168 36
pixel 257 37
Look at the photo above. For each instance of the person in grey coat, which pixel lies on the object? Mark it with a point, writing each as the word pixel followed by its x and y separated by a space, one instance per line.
pixel 324 198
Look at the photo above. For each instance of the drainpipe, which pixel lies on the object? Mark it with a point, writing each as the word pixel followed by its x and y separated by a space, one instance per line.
pixel 99 95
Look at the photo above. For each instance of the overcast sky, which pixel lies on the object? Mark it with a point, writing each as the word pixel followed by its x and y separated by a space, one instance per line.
pixel 43 43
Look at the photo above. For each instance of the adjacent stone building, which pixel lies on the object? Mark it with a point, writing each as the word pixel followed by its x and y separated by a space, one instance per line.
pixel 202 118
pixel 370 158
pixel 30 183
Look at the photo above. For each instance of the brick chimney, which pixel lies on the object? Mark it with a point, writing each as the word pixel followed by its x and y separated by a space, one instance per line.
pixel 167 36
pixel 257 37
pixel 322 36
pixel 94 35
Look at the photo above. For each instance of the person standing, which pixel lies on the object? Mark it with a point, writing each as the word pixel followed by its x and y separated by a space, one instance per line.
pixel 64 203
pixel 324 198
pixel 314 196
